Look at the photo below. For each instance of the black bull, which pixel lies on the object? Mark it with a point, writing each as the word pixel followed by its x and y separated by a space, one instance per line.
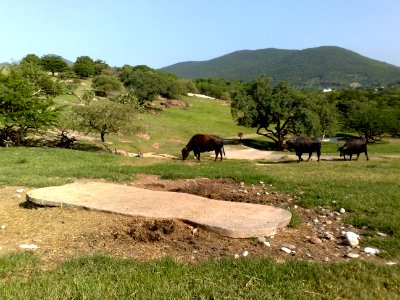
pixel 304 145
pixel 353 146
pixel 204 143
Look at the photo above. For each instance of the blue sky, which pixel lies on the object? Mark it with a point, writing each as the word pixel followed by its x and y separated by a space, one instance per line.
pixel 161 33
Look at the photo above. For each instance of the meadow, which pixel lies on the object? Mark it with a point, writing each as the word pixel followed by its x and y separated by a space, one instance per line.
pixel 368 190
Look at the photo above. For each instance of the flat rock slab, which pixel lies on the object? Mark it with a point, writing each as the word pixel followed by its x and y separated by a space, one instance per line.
pixel 231 219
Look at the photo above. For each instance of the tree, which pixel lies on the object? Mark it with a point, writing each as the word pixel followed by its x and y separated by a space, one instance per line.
pixel 104 117
pixel 84 67
pixel 22 108
pixel 104 84
pixel 275 112
pixel 53 63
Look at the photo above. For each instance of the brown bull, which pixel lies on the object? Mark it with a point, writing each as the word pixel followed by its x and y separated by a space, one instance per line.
pixel 304 145
pixel 204 143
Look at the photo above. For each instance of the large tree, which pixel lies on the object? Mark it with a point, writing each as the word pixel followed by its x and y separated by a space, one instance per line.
pixel 84 67
pixel 276 111
pixel 105 117
pixel 104 84
pixel 23 109
pixel 53 63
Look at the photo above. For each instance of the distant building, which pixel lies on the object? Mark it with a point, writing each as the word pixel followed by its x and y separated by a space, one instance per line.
pixel 327 90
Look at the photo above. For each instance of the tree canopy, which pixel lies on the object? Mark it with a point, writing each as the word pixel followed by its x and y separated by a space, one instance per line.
pixel 278 111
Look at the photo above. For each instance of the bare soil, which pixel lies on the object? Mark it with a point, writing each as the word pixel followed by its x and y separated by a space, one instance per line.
pixel 62 233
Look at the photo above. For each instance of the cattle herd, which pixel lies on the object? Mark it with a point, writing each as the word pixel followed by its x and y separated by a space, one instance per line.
pixel 204 143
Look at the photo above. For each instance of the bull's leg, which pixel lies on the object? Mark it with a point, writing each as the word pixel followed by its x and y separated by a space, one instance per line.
pixel 351 156
pixel 216 155
pixel 366 154
pixel 319 155
pixel 309 156
pixel 299 156
pixel 358 155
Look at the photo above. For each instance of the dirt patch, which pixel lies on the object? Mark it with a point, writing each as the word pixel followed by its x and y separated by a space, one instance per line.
pixel 62 233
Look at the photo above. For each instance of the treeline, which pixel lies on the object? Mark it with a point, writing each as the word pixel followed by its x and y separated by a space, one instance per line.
pixel 28 89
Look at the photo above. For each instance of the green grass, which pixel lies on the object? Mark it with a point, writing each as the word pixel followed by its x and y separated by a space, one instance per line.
pixel 102 277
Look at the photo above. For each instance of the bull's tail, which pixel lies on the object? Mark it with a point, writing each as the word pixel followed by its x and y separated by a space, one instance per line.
pixel 223 150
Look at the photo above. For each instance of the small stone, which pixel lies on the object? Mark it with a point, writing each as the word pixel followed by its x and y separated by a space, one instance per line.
pixel 334 202
pixel 289 246
pixel 20 190
pixel 370 250
pixel 295 206
pixel 267 244
pixel 258 194
pixel 3 226
pixel 286 250
pixel 352 255
pixel 391 263
pixel 328 222
pixel 351 238
pixel 327 259
pixel 329 236
pixel 261 182
pixel 315 240
pixel 236 256
pixel 261 239
pixel 381 234
pixel 28 246
pixel 315 221
pixel 266 193
pixel 242 183
pixel 245 191
pixel 342 210
pixel 245 253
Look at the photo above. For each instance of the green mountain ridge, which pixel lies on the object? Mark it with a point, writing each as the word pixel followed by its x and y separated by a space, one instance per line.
pixel 325 66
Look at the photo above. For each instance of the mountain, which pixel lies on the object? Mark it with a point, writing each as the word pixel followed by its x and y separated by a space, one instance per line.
pixel 326 66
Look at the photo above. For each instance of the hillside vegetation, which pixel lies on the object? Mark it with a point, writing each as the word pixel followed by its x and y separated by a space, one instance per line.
pixel 326 66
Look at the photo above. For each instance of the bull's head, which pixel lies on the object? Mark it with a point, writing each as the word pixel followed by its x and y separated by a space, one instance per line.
pixel 341 150
pixel 288 144
pixel 185 153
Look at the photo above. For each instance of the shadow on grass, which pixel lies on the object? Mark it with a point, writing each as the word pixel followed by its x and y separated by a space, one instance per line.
pixel 252 143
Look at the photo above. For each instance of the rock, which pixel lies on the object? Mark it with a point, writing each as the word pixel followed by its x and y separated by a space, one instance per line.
pixel 315 240
pixel 370 250
pixel 391 263
pixel 28 246
pixel 289 246
pixel 329 236
pixel 20 190
pixel 245 253
pixel 286 250
pixel 236 256
pixel 351 238
pixel 267 244
pixel 381 234
pixel 3 226
pixel 342 210
pixel 261 239
pixel 352 255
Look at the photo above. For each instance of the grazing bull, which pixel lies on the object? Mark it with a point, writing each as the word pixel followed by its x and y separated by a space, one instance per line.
pixel 204 143
pixel 304 145
pixel 353 146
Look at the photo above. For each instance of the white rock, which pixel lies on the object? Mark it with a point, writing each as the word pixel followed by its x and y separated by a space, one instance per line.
pixel 286 250
pixel 370 250
pixel 261 239
pixel 391 263
pixel 3 226
pixel 267 244
pixel 245 253
pixel 342 210
pixel 295 206
pixel 261 182
pixel 353 255
pixel 28 246
pixel 237 256
pixel 351 238
pixel 289 246
pixel 20 190
pixel 381 234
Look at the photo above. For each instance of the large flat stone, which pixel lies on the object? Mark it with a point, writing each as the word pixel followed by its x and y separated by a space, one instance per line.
pixel 232 219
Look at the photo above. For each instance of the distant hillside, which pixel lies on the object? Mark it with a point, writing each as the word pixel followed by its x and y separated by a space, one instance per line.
pixel 326 66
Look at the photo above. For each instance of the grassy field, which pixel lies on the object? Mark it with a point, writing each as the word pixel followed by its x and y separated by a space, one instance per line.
pixel 367 190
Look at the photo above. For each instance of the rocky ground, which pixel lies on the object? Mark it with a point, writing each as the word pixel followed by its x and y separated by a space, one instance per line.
pixel 61 233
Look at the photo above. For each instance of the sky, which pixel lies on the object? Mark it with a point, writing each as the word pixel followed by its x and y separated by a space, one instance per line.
pixel 159 33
